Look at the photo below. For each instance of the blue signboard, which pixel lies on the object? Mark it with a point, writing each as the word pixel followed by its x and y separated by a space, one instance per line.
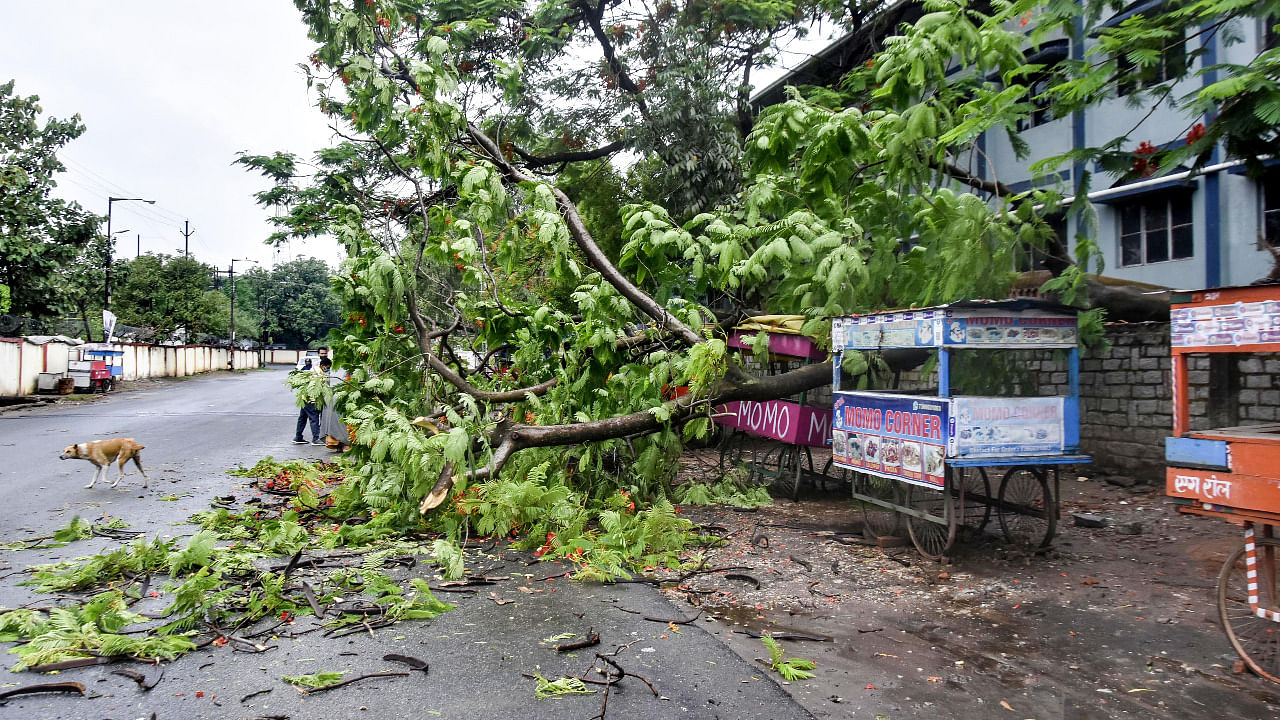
pixel 902 437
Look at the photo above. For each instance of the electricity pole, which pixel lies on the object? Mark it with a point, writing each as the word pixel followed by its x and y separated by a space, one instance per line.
pixel 187 232
pixel 135 257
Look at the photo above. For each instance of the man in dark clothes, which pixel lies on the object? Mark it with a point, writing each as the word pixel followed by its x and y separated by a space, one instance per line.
pixel 308 413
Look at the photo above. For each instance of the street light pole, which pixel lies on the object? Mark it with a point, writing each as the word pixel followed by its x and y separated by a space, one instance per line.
pixel 106 286
pixel 232 275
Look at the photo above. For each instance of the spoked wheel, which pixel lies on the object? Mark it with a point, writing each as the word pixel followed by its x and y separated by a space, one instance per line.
pixel 977 496
pixel 879 521
pixel 933 539
pixel 1028 512
pixel 1257 639
pixel 731 451
pixel 790 463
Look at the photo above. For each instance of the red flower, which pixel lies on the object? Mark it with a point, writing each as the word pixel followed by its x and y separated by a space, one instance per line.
pixel 284 615
pixel 1143 165
pixel 199 693
pixel 1196 133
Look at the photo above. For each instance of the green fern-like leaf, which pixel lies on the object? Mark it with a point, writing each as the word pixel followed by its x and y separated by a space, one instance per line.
pixel 321 679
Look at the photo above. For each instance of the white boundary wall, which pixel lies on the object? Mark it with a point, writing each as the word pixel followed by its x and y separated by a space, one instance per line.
pixel 21 361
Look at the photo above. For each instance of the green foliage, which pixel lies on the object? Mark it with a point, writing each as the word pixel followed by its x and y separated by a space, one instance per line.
pixel 726 491
pixel 164 293
pixel 40 235
pixel 555 688
pixel 791 668
pixel 85 630
pixel 77 529
pixel 6 299
pixel 321 679
pixel 292 303
pixel 472 230
pixel 138 557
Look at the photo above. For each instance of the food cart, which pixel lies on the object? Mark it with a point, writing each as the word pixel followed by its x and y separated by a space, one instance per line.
pixel 929 459
pixel 772 439
pixel 1232 473
pixel 105 367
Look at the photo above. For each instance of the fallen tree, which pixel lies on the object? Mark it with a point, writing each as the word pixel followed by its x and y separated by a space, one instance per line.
pixel 529 295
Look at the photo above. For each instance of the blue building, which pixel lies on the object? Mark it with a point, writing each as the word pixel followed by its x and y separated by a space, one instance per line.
pixel 1170 229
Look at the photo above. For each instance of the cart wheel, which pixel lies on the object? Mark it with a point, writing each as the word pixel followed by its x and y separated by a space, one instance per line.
pixel 878 521
pixel 977 496
pixel 1256 639
pixel 933 539
pixel 730 451
pixel 1027 510
pixel 787 483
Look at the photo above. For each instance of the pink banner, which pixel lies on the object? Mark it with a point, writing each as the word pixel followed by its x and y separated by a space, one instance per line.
pixel 789 422
pixel 787 344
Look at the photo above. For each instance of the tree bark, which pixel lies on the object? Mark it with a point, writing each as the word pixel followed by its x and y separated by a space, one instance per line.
pixel 511 438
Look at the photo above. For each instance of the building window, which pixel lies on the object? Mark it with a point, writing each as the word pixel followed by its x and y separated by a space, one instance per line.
pixel 1171 65
pixel 1047 55
pixel 1271 208
pixel 1028 257
pixel 1043 113
pixel 1156 229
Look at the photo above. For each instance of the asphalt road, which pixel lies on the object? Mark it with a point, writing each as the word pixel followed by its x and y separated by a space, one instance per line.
pixel 195 430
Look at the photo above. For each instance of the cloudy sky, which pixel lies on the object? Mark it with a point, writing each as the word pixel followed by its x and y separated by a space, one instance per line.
pixel 169 92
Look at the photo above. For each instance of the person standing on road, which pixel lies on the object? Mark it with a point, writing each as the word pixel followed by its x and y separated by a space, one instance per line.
pixel 308 413
pixel 331 425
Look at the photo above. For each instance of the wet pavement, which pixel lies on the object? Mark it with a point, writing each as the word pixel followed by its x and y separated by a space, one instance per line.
pixel 482 656
pixel 1106 625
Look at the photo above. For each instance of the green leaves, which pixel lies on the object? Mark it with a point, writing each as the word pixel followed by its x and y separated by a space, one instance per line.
pixel 322 679
pixel 791 668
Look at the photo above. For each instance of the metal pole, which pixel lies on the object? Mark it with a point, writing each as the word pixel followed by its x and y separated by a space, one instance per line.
pixel 232 274
pixel 106 287
pixel 139 253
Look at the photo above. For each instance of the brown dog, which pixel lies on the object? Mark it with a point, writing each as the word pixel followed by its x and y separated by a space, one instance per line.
pixel 104 452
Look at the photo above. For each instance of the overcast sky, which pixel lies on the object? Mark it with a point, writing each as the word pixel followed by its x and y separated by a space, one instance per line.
pixel 169 92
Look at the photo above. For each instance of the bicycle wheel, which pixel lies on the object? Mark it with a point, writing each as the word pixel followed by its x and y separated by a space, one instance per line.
pixel 879 521
pixel 1027 511
pixel 933 539
pixel 1256 639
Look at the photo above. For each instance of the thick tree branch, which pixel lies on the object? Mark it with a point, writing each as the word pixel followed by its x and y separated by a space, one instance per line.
pixel 511 438
pixel 594 17
pixel 536 161
pixel 990 186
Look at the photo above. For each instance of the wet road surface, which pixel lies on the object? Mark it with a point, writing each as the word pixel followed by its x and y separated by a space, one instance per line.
pixel 480 654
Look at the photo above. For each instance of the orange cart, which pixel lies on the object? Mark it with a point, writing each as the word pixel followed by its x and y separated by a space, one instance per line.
pixel 1234 472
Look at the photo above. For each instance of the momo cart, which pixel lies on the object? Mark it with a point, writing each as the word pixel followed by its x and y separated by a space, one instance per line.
pixel 1232 473
pixel 773 440
pixel 937 460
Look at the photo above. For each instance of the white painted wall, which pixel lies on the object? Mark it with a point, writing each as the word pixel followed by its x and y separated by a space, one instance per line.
pixel 21 362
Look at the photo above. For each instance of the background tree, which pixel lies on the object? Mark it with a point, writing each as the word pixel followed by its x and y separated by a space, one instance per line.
pixel 165 293
pixel 294 301
pixel 466 228
pixel 39 234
